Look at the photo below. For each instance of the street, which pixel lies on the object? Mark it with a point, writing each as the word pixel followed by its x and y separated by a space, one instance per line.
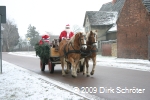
pixel 107 82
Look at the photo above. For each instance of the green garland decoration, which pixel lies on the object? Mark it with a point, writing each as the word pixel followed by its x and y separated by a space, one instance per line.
pixel 43 51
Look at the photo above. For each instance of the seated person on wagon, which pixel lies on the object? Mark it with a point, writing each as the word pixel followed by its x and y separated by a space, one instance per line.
pixel 66 34
pixel 45 38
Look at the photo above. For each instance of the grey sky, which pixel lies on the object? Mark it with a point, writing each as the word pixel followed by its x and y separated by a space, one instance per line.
pixel 49 15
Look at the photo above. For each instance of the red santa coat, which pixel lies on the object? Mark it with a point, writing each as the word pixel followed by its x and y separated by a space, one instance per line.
pixel 64 34
pixel 45 38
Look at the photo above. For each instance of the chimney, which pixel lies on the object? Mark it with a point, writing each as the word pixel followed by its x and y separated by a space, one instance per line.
pixel 114 1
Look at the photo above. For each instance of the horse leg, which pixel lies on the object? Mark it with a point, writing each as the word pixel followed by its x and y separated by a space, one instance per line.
pixel 87 68
pixel 68 68
pixel 78 67
pixel 72 61
pixel 62 65
pixel 94 64
pixel 84 67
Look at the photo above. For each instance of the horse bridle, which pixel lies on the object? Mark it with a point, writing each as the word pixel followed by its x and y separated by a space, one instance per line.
pixel 84 36
pixel 88 52
pixel 79 39
pixel 90 41
pixel 74 50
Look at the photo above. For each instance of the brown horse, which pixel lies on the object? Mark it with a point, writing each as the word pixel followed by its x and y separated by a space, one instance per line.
pixel 92 49
pixel 70 51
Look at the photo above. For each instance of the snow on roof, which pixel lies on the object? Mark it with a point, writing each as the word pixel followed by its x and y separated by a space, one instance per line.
pixel 101 17
pixel 113 28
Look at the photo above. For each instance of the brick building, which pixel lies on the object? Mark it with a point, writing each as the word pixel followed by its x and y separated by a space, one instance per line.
pixel 133 29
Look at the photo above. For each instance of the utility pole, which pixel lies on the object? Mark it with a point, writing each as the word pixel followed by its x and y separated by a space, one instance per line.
pixel 2 20
pixel 0 47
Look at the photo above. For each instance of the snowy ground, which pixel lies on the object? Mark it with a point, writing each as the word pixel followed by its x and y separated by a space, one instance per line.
pixel 17 83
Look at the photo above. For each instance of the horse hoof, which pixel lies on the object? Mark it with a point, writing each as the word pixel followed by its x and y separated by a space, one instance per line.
pixel 88 75
pixel 91 73
pixel 63 74
pixel 78 71
pixel 67 72
pixel 74 76
pixel 83 73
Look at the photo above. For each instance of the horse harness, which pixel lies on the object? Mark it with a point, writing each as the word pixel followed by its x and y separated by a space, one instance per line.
pixel 88 52
pixel 66 52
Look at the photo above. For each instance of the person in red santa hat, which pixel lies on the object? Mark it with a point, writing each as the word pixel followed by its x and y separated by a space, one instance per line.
pixel 45 38
pixel 66 34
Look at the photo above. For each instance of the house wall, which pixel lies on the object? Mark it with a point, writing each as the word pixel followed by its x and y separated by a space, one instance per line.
pixel 111 36
pixel 133 30
pixel 114 49
pixel 87 26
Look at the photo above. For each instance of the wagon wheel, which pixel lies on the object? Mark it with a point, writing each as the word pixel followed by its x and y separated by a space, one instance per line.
pixel 51 67
pixel 42 65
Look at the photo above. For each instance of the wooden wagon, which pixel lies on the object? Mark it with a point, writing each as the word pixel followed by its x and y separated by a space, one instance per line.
pixel 53 57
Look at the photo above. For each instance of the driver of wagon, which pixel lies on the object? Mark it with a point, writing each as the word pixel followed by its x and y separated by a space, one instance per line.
pixel 66 34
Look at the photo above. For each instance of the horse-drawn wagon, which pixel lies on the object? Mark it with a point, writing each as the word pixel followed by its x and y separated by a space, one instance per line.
pixel 70 53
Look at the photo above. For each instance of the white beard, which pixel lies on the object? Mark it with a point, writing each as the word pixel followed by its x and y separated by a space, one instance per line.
pixel 68 30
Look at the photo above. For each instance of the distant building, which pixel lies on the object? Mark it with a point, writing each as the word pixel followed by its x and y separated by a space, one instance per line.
pixel 101 21
pixel 131 31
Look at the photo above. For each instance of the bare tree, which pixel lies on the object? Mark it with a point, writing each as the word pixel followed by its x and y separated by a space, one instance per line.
pixel 76 28
pixel 10 35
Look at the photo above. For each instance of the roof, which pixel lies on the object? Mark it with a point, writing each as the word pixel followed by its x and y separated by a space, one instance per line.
pixel 147 4
pixel 113 7
pixel 119 5
pixel 101 17
pixel 108 12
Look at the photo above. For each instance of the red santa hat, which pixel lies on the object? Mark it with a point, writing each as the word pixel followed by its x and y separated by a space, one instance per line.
pixel 45 36
pixel 67 26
